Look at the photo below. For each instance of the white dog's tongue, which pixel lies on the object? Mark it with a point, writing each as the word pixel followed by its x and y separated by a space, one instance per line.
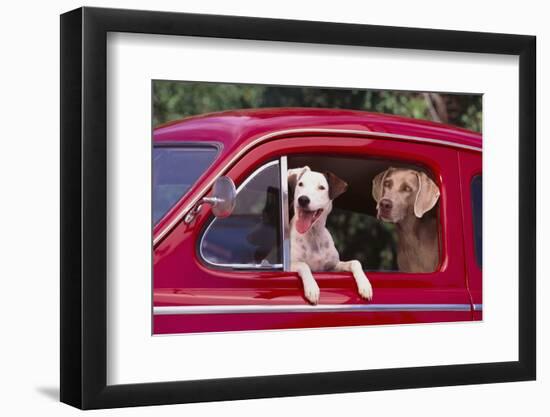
pixel 305 220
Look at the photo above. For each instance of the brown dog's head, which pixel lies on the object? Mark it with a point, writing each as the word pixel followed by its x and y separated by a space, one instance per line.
pixel 399 192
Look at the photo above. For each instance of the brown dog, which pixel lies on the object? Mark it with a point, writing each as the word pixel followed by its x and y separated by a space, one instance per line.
pixel 403 197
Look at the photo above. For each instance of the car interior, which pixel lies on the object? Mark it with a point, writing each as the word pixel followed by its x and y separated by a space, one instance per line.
pixel 356 231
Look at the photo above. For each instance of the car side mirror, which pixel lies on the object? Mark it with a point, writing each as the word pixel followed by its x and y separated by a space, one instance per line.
pixel 223 199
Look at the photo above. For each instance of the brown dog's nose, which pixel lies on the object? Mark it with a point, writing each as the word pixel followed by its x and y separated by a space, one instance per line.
pixel 386 204
pixel 303 201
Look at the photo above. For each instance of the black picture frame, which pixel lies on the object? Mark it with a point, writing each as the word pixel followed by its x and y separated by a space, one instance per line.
pixel 84 207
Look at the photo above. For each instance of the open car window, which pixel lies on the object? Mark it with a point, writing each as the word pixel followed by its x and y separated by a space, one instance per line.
pixel 354 222
pixel 252 236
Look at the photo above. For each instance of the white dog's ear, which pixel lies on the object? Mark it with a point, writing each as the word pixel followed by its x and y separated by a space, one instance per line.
pixel 426 196
pixel 377 184
pixel 336 186
pixel 294 174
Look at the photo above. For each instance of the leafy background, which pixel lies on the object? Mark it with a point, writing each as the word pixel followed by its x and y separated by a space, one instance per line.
pixel 173 100
pixel 350 229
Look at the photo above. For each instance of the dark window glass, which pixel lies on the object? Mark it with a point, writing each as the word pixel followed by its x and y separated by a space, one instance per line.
pixel 251 236
pixel 175 170
pixel 351 229
pixel 477 217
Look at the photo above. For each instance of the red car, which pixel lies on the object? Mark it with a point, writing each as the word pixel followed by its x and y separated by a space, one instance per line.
pixel 219 272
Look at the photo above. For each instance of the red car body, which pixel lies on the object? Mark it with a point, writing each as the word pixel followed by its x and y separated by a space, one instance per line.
pixel 259 299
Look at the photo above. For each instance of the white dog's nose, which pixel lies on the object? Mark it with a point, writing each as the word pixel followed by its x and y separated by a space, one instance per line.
pixel 303 201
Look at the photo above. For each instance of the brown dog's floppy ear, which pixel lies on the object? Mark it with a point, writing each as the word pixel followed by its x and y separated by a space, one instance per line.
pixel 294 174
pixel 336 186
pixel 427 195
pixel 377 183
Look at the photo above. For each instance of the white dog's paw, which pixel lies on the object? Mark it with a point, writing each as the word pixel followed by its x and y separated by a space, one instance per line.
pixel 312 292
pixel 365 289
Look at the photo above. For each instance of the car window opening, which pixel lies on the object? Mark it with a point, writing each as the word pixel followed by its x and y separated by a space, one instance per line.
pixel 252 237
pixel 372 231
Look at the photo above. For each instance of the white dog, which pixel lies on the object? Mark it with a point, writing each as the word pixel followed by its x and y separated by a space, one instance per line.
pixel 311 245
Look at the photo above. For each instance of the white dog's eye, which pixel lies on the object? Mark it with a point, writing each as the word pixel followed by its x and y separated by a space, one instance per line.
pixel 300 184
pixel 321 187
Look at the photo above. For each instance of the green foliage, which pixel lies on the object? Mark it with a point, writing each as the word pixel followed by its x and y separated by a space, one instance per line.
pixel 470 116
pixel 351 230
pixel 174 100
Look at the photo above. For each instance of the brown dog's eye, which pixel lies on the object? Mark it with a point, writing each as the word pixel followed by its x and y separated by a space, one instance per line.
pixel 407 188
pixel 321 187
pixel 387 183
pixel 300 184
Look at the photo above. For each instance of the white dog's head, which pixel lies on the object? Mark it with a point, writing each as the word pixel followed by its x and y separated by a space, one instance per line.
pixel 313 195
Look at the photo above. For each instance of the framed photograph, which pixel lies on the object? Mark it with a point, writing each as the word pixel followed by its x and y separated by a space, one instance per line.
pixel 345 200
pixel 259 208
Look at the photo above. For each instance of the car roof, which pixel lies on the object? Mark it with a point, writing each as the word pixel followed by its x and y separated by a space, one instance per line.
pixel 237 127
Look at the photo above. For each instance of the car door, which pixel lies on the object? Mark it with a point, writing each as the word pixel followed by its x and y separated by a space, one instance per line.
pixel 195 292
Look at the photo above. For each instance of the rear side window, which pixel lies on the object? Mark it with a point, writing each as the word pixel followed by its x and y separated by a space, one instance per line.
pixel 250 237
pixel 477 217
pixel 175 170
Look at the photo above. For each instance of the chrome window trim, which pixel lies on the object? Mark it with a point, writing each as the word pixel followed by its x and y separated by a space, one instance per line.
pixel 191 144
pixel 380 135
pixel 305 308
pixel 255 173
pixel 478 307
pixel 241 266
pixel 285 213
